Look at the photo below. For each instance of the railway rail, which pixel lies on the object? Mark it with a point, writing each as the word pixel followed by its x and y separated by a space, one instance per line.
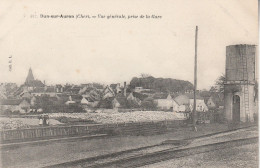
pixel 155 153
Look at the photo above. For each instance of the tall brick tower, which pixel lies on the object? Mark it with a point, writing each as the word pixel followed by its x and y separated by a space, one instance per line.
pixel 239 94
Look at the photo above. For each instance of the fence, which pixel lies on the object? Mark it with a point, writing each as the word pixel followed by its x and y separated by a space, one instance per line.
pixel 58 131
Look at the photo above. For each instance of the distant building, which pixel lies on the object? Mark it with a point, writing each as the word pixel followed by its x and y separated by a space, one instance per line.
pixel 2 95
pixel 200 105
pixel 185 102
pixel 31 83
pixel 215 101
pixel 108 92
pixel 134 99
pixel 47 90
pixel 165 102
pixel 59 88
pixel 126 101
pixel 140 89
pixel 15 105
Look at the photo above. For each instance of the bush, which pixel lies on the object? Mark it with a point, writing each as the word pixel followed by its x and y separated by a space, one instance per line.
pixel 63 119
pixel 7 112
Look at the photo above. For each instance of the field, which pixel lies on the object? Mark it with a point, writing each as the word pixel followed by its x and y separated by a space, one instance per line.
pixel 107 117
pixel 21 123
pixel 115 117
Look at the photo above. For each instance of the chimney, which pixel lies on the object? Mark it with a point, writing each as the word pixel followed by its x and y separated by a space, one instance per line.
pixel 125 89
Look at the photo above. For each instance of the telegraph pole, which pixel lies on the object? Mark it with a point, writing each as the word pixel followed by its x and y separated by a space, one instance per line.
pixel 195 81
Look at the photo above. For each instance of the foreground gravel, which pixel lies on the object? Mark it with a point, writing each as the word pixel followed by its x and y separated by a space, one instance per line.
pixel 239 157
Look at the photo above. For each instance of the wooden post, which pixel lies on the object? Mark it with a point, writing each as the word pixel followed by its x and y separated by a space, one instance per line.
pixel 195 81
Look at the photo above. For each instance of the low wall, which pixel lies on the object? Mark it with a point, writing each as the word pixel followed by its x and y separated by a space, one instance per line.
pixel 122 129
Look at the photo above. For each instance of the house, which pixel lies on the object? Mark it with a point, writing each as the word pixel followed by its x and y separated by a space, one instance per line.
pixel 84 101
pixel 138 89
pixel 141 89
pixel 200 105
pixel 183 102
pixel 33 101
pixel 25 94
pixel 2 95
pixel 7 90
pixel 97 86
pixel 47 90
pixel 119 101
pixel 14 105
pixel 70 101
pixel 116 104
pixel 108 92
pixel 133 99
pixel 88 102
pixel 106 103
pixel 59 88
pixel 71 89
pixel 126 100
pixel 116 88
pixel 91 92
pixel 83 90
pixel 165 102
pixel 211 103
pixel 188 100
pixel 215 101
pixel 73 99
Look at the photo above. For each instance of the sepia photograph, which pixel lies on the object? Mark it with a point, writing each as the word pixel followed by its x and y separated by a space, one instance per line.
pixel 129 83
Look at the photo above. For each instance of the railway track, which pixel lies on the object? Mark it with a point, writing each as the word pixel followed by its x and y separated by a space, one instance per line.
pixel 155 153
pixel 147 159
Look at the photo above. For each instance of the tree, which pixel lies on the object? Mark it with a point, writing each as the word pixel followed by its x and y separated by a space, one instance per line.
pixel 149 104
pixel 161 84
pixel 220 83
pixel 144 75
pixel 213 89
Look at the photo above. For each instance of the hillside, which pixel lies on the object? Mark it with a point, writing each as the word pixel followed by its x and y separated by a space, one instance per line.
pixel 161 84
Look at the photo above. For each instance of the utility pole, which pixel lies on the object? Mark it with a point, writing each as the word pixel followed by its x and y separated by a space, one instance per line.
pixel 195 81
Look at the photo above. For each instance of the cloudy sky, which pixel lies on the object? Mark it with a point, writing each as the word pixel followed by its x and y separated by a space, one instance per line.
pixel 115 50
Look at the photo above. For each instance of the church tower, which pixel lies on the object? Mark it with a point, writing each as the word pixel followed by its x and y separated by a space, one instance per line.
pixel 30 77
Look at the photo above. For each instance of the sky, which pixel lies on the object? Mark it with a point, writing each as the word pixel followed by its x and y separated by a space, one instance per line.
pixel 63 50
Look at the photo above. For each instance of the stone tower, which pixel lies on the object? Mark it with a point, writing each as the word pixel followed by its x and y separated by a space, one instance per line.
pixel 30 77
pixel 239 93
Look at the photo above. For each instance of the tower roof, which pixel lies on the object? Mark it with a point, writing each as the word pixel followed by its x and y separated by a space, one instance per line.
pixel 30 81
pixel 30 77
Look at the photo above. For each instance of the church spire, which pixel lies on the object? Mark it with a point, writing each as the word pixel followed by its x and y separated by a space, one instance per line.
pixel 29 76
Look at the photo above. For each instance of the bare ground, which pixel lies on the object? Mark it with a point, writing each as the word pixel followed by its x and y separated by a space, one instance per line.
pixel 239 157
